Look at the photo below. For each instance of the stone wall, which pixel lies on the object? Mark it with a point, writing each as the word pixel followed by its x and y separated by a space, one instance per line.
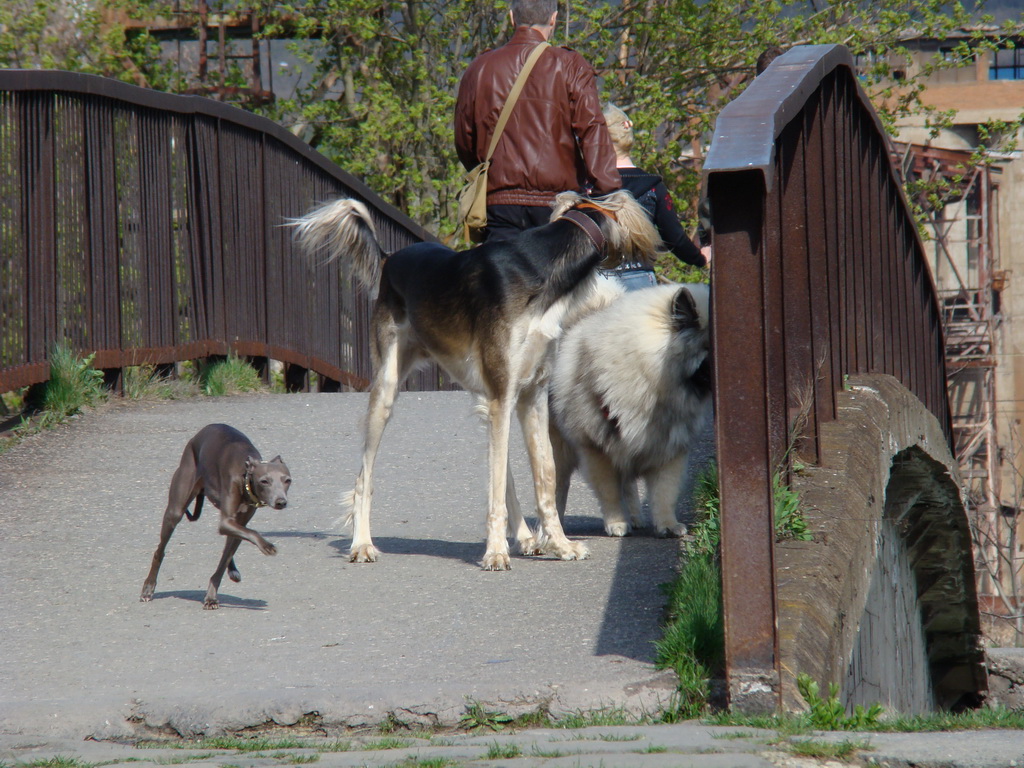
pixel 885 471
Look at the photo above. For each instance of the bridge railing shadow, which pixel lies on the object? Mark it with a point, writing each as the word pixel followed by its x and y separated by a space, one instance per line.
pixel 145 227
pixel 819 273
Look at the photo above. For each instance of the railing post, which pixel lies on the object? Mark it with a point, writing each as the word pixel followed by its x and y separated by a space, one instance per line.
pixel 743 442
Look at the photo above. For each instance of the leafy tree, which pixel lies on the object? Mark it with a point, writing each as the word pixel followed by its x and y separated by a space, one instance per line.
pixel 384 73
pixel 83 36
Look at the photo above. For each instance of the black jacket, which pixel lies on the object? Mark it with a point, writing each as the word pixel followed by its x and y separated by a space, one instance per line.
pixel 651 193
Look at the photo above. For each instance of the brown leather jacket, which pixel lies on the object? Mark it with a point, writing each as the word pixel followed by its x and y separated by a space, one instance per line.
pixel 555 139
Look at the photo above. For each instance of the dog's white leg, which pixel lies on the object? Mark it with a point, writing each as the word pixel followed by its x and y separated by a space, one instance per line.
pixel 565 464
pixel 526 543
pixel 630 496
pixel 663 489
pixel 606 480
pixel 382 401
pixel 533 417
pixel 499 416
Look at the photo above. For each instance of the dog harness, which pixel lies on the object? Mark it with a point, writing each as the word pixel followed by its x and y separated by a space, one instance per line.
pixel 588 225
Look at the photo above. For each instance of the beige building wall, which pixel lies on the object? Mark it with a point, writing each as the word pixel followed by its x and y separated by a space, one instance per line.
pixel 1010 349
pixel 977 100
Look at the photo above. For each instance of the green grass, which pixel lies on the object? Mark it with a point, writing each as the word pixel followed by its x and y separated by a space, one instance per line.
pixel 997 718
pixel 143 382
pixel 196 758
pixel 230 376
pixel 428 762
pixel 617 737
pixel 600 718
pixel 73 385
pixel 243 744
pixel 57 761
pixel 829 714
pixel 477 716
pixel 842 750
pixel 537 751
pixel 653 749
pixel 693 641
pixel 504 751
pixel 388 742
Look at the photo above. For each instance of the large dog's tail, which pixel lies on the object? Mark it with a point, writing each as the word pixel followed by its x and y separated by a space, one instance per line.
pixel 343 229
pixel 631 234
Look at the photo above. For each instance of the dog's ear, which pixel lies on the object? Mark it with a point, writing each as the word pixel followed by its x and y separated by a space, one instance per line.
pixel 249 464
pixel 684 311
pixel 276 460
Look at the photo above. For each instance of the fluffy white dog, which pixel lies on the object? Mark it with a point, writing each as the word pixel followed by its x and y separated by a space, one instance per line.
pixel 630 391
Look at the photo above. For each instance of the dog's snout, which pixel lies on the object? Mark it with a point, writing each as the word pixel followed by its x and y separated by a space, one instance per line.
pixel 280 503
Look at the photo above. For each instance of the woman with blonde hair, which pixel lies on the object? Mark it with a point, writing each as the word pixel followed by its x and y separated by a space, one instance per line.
pixel 651 193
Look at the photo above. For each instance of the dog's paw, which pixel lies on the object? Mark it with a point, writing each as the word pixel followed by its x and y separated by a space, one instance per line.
pixel 672 531
pixel 529 546
pixel 270 549
pixel 497 561
pixel 147 593
pixel 574 551
pixel 234 575
pixel 211 605
pixel 367 553
pixel 617 529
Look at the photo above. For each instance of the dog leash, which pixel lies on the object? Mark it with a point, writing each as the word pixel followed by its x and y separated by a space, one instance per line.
pixel 588 225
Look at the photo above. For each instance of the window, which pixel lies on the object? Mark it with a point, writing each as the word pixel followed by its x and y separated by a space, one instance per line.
pixel 1007 64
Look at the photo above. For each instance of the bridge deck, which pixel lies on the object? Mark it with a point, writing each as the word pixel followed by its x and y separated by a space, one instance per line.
pixel 421 630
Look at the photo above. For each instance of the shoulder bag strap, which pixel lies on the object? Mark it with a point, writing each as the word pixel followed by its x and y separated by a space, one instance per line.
pixel 513 96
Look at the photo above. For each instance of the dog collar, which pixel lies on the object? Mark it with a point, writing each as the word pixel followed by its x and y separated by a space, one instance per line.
pixel 588 225
pixel 250 497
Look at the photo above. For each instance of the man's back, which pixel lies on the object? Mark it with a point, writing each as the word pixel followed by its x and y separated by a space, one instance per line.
pixel 556 138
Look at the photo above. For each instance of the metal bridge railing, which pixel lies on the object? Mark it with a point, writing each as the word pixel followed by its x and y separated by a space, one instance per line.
pixel 819 273
pixel 146 227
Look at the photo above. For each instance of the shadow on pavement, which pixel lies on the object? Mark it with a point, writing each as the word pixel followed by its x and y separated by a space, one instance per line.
pixel 226 601
pixel 467 552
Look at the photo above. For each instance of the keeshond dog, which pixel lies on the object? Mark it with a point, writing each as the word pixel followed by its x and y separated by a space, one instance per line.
pixel 630 391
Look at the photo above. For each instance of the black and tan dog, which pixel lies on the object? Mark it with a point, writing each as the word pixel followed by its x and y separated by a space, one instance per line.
pixel 488 316
pixel 222 464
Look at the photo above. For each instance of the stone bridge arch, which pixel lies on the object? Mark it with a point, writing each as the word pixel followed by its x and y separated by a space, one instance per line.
pixel 830 371
pixel 883 600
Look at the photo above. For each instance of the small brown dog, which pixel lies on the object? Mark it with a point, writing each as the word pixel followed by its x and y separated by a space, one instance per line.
pixel 221 463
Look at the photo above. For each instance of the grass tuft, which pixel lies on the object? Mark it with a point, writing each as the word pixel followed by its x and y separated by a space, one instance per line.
pixel 504 751
pixel 477 716
pixel 145 382
pixel 58 761
pixel 388 742
pixel 601 718
pixel 229 376
pixel 841 750
pixel 73 385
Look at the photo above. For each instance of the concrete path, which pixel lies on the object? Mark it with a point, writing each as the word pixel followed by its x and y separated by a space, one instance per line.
pixel 414 636
pixel 309 639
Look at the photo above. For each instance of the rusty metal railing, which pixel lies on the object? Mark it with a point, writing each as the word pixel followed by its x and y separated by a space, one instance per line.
pixel 145 227
pixel 819 273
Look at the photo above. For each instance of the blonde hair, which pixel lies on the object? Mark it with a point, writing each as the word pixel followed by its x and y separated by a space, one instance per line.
pixel 620 128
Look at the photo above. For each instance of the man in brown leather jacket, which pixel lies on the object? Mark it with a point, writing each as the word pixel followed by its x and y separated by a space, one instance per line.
pixel 556 138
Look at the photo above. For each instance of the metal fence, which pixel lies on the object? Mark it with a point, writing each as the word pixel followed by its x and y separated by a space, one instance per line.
pixel 819 272
pixel 146 227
